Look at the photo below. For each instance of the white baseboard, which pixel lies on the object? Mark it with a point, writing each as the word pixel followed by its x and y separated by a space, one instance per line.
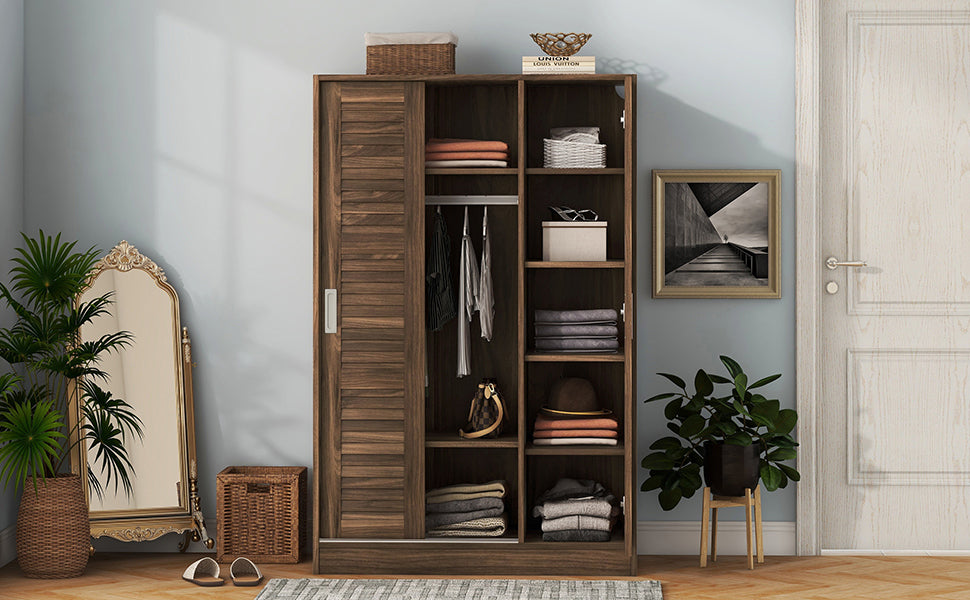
pixel 8 544
pixel 894 552
pixel 684 538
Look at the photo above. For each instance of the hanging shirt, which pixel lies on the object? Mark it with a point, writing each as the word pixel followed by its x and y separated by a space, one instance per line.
pixel 440 291
pixel 486 300
pixel 468 290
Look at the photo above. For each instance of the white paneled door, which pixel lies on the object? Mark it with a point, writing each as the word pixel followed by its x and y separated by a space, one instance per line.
pixel 894 335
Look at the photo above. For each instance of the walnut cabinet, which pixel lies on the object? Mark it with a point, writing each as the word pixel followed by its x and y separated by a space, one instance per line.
pixel 387 403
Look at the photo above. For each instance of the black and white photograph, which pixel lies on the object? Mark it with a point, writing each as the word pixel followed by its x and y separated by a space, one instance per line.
pixel 716 234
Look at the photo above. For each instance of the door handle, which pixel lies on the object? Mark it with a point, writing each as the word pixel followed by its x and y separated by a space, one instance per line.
pixel 833 263
pixel 330 310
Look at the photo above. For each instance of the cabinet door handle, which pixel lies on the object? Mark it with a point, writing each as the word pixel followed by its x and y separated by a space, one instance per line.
pixel 330 310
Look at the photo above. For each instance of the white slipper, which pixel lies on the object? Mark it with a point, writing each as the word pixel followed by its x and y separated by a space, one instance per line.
pixel 204 572
pixel 244 572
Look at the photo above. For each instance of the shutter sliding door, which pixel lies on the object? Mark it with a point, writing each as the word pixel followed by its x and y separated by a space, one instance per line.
pixel 374 253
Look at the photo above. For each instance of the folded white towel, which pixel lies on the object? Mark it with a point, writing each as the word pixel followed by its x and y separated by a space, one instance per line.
pixel 432 37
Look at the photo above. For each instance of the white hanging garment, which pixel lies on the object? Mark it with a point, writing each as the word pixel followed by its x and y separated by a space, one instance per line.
pixel 486 299
pixel 468 282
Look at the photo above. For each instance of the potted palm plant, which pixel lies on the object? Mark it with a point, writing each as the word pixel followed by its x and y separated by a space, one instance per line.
pixel 53 372
pixel 735 435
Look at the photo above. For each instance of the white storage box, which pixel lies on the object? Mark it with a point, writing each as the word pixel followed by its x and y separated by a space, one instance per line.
pixel 574 240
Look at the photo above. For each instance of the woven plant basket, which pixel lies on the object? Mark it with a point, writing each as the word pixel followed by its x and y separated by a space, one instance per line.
pixel 53 530
pixel 411 59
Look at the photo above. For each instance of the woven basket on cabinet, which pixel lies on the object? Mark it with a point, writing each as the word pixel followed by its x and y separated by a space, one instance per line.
pixel 411 59
pixel 261 514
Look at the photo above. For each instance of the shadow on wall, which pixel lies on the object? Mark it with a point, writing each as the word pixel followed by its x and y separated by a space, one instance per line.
pixel 672 134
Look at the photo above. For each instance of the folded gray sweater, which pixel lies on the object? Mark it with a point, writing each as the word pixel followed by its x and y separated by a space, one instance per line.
pixel 578 522
pixel 571 330
pixel 461 506
pixel 574 316
pixel 576 535
pixel 577 344
pixel 435 520
pixel 591 507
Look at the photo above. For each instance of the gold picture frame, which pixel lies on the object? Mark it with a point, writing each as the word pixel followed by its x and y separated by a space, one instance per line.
pixel 716 234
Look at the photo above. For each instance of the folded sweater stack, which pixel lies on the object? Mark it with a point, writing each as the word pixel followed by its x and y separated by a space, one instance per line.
pixel 570 431
pixel 466 510
pixel 576 510
pixel 577 331
pixel 441 152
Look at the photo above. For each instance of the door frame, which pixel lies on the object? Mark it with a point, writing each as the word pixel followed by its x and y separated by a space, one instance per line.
pixel 807 271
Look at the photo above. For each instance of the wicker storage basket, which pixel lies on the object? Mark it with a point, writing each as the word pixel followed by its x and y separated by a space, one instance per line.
pixel 261 514
pixel 562 154
pixel 411 59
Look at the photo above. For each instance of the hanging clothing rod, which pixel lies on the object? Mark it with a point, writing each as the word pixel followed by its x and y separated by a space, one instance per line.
pixel 471 200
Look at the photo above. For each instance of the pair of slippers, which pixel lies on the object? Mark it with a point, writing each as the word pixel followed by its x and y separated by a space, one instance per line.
pixel 205 572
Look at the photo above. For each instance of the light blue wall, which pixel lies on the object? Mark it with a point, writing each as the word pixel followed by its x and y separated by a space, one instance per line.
pixel 185 128
pixel 11 165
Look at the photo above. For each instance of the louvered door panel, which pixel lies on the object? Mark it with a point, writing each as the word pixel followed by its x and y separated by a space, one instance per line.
pixel 376 214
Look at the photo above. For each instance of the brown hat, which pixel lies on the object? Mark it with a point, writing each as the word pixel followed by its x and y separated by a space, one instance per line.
pixel 573 396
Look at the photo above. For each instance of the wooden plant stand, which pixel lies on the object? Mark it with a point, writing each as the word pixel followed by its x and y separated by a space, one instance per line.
pixel 751 503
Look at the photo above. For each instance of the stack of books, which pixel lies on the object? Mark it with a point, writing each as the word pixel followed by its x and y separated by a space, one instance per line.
pixel 558 64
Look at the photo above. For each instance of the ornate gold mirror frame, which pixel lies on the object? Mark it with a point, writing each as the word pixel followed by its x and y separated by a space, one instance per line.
pixel 157 507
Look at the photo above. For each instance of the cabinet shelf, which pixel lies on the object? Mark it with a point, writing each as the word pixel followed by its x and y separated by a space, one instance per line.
pixel 451 440
pixel 595 171
pixel 533 450
pixel 553 357
pixel 471 171
pixel 616 541
pixel 597 264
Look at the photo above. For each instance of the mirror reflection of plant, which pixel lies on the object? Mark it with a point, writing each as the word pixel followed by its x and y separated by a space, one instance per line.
pixel 53 369
pixel 741 418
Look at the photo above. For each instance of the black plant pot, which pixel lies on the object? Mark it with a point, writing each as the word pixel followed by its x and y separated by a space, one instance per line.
pixel 728 469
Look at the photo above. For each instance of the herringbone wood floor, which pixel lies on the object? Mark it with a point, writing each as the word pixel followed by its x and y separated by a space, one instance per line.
pixel 127 576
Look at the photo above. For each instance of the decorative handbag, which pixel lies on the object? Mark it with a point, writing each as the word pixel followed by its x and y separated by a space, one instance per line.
pixel 486 413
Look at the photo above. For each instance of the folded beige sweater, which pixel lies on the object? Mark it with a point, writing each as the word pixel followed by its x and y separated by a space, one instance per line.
pixel 468 488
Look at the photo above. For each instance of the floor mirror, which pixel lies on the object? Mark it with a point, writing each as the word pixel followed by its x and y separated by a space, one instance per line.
pixel 154 375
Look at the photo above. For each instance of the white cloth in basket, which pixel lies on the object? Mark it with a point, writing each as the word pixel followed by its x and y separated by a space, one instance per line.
pixel 439 37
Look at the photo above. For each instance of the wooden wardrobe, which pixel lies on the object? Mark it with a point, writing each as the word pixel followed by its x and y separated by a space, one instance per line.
pixel 387 402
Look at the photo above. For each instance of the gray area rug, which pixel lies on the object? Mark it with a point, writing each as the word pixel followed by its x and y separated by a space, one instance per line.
pixel 458 589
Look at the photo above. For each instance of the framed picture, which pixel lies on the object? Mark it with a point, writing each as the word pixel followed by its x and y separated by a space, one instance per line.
pixel 716 234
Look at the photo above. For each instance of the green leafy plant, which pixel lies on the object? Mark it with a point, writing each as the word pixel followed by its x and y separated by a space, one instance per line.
pixel 53 369
pixel 732 414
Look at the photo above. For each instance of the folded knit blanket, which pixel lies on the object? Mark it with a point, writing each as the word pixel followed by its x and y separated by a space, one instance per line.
pixel 467 488
pixel 574 441
pixel 571 330
pixel 576 535
pixel 544 422
pixel 465 163
pixel 487 527
pixel 458 506
pixel 575 433
pixel 460 145
pixel 591 507
pixel 577 522
pixel 436 520
pixel 466 155
pixel 573 316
